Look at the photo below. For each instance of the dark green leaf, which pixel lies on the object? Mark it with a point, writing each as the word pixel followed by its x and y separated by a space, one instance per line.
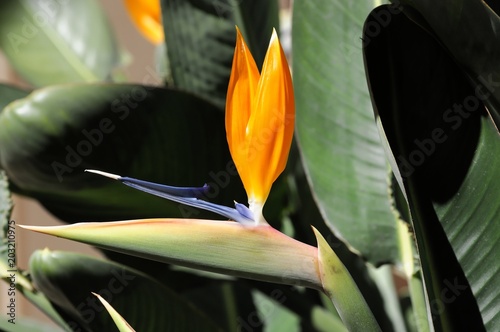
pixel 68 280
pixel 155 134
pixel 444 151
pixel 470 221
pixel 50 42
pixel 470 31
pixel 201 36
pixel 337 135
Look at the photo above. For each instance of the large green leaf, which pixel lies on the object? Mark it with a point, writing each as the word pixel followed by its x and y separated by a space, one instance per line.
pixel 340 145
pixel 470 30
pixel 50 42
pixel 470 220
pixel 445 153
pixel 68 280
pixel 156 134
pixel 201 36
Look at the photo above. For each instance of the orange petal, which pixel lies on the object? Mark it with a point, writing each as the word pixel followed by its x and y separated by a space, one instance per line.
pixel 146 15
pixel 271 123
pixel 239 103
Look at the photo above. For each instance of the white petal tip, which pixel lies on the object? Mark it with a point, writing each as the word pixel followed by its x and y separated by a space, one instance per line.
pixel 274 36
pixel 108 175
pixel 32 228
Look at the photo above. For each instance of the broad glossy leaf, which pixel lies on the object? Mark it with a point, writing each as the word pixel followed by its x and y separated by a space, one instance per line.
pixel 154 134
pixel 444 151
pixel 336 132
pixel 50 42
pixel 201 36
pixel 470 31
pixel 144 302
pixel 470 221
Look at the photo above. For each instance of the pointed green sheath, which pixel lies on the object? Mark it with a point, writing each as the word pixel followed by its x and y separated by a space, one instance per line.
pixel 342 290
pixel 256 252
pixel 120 322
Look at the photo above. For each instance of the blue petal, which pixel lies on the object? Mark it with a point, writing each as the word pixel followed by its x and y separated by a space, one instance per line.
pixel 194 192
pixel 243 210
pixel 171 193
pixel 184 195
